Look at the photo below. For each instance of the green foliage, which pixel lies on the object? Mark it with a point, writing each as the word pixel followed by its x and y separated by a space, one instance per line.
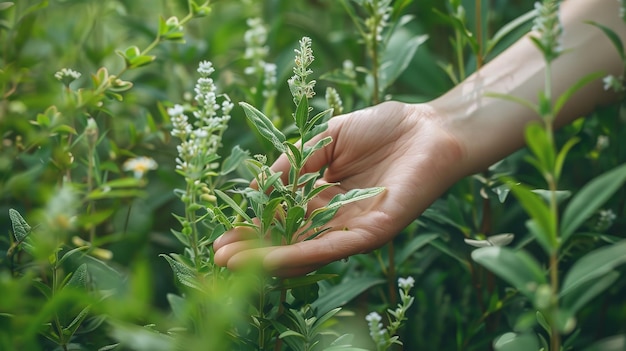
pixel 93 259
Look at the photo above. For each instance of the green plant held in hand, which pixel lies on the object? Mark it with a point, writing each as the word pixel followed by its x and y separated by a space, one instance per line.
pixel 281 208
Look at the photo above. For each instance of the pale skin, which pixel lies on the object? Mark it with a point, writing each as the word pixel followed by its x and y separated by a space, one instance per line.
pixel 417 151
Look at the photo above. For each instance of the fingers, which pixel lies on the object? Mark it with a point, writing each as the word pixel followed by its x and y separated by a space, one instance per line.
pixel 296 259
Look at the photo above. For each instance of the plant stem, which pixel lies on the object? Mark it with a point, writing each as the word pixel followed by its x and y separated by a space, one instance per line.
pixel 261 340
pixel 459 55
pixel 548 118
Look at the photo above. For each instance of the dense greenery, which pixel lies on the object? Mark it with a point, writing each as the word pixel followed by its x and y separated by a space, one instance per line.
pixel 106 235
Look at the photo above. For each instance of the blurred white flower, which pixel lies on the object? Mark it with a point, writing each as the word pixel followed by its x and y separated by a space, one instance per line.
pixel 140 165
pixel 406 283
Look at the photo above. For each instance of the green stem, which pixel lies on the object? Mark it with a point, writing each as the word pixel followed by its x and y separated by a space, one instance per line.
pixel 459 54
pixel 555 337
pixel 261 307
pixel 191 219
pixel 90 173
pixel 55 287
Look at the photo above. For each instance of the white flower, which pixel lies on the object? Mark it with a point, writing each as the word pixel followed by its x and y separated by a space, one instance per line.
pixel 67 75
pixel 140 165
pixel 205 68
pixel 406 283
pixel 373 317
pixel 613 83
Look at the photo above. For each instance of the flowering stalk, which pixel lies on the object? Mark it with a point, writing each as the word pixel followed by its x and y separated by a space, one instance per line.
pixel 197 152
pixel 386 337
pixel 282 208
pixel 549 30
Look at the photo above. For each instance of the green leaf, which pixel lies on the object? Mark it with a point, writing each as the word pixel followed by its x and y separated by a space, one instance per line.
pixel 297 282
pixel 515 99
pixel 560 157
pixel 232 204
pixel 289 333
pixel 79 278
pixel 398 55
pixel 539 234
pixel 344 292
pixel 516 342
pixel 315 191
pixel 76 322
pixel 540 214
pixel 302 114
pixel 614 37
pixel 579 296
pixel 269 212
pixel 515 267
pixel 6 5
pixel 508 28
pixel 593 195
pixel 415 244
pixel 232 162
pixel 538 141
pixel 184 274
pixel 295 215
pixel 593 265
pixel 21 229
pixel 353 195
pixel 295 156
pixel 265 126
pixel 613 343
pixel 178 305
pixel 563 98
pixel 310 150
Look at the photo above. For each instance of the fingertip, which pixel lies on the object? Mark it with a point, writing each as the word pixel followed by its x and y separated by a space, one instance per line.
pixel 234 235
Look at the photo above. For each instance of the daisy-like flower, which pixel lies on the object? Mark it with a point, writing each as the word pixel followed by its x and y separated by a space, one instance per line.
pixel 140 166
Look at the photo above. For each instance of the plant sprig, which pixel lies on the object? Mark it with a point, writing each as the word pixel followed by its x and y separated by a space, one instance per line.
pixel 282 208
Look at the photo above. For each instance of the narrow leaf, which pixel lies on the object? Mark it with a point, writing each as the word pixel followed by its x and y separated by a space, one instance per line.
pixel 560 157
pixel 354 195
pixel 516 342
pixel 578 297
pixel 232 204
pixel 590 198
pixel 265 126
pixel 302 113
pixel 539 212
pixel 614 37
pixel 516 267
pixel 339 295
pixel 508 28
pixel 21 229
pixel 593 265
pixel 563 98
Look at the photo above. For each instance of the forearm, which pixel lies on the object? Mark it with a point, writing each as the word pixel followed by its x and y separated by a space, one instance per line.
pixel 490 128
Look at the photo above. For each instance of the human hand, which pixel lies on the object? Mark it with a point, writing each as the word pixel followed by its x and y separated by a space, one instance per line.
pixel 405 148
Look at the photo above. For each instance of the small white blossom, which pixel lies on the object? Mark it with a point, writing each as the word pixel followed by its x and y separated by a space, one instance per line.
pixel 406 283
pixel 605 220
pixel 298 82
pixel 140 165
pixel 549 28
pixel 613 83
pixel 205 68
pixel 67 75
pixel 256 50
